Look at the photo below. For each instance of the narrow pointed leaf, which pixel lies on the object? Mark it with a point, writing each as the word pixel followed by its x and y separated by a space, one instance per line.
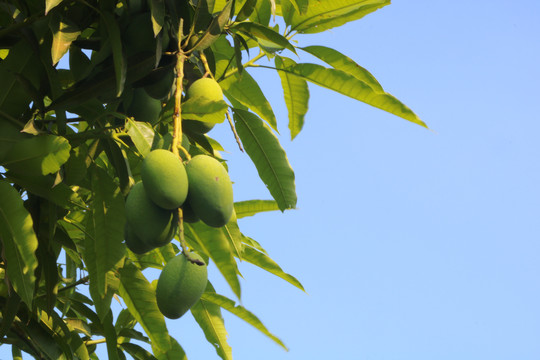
pixel 204 110
pixel 64 33
pixel 216 245
pixel 260 32
pixel 296 93
pixel 341 62
pixel 215 29
pixel 247 92
pixel 208 316
pixel 348 85
pixel 157 9
pixel 120 67
pixel 19 242
pixel 252 207
pixel 328 14
pixel 263 261
pixel 49 4
pixel 174 353
pixel 137 352
pixel 246 10
pixel 141 134
pixel 106 249
pixel 140 298
pixel 110 337
pixel 269 158
pixel 242 313
pixel 39 155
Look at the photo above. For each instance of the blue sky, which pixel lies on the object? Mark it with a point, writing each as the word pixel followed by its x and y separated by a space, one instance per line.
pixel 411 243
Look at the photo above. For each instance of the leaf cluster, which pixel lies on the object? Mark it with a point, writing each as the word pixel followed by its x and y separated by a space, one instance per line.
pixel 72 143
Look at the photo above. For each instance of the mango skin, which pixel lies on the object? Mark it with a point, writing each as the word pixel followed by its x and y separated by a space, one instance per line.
pixel 143 107
pixel 207 88
pixel 152 224
pixel 210 190
pixel 180 285
pixel 135 244
pixel 164 178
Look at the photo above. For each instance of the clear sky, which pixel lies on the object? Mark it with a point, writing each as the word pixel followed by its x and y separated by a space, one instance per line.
pixel 411 244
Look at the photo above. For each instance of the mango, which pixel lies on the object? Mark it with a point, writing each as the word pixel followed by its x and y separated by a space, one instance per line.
pixel 152 224
pixel 164 178
pixel 143 107
pixel 210 89
pixel 180 285
pixel 135 244
pixel 210 190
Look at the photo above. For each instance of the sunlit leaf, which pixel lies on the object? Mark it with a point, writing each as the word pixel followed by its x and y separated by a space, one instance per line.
pixel 208 316
pixel 215 29
pixel 242 313
pixel 260 32
pixel 269 158
pixel 341 62
pixel 203 109
pixel 120 67
pixel 246 10
pixel 140 298
pixel 247 92
pixel 64 33
pixel 296 93
pixel 49 4
pixel 348 85
pixel 263 261
pixel 327 14
pixel 39 155
pixel 252 207
pixel 174 353
pixel 141 134
pixel 157 9
pixel 19 242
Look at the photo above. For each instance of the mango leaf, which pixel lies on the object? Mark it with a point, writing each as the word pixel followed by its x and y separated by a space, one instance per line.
pixel 215 244
pixel 296 93
pixel 245 90
pixel 174 353
pixel 252 207
pixel 110 336
pixel 137 352
pixel 327 14
pixel 120 66
pixel 19 242
pixel 300 6
pixel 140 298
pixel 262 12
pixel 64 33
pixel 79 348
pixel 49 4
pixel 157 9
pixel 242 313
pixel 204 109
pixel 39 155
pixel 234 236
pixel 208 316
pixel 246 10
pixel 341 62
pixel 263 261
pixel 348 85
pixel 10 134
pixel 105 251
pixel 261 32
pixel 141 134
pixel 215 29
pixel 269 158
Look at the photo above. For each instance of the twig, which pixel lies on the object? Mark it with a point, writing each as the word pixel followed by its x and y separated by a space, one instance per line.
pixel 234 131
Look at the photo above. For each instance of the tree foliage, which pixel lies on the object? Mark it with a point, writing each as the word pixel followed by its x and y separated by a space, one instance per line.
pixel 72 140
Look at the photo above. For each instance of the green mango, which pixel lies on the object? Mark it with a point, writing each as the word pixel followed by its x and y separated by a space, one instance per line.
pixel 210 190
pixel 135 244
pixel 143 107
pixel 152 224
pixel 207 88
pixel 180 285
pixel 164 179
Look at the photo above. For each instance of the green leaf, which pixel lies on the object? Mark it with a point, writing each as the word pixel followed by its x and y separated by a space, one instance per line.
pixel 105 251
pixel 142 135
pixel 300 6
pixel 157 9
pixel 245 90
pixel 252 207
pixel 327 14
pixel 269 158
pixel 215 29
pixel 260 32
pixel 262 12
pixel 296 93
pixel 263 261
pixel 174 353
pixel 242 313
pixel 10 134
pixel 208 316
pixel 140 298
pixel 78 346
pixel 49 4
pixel 348 85
pixel 9 311
pixel 137 352
pixel 64 33
pixel 120 66
pixel 203 109
pixel 246 10
pixel 341 62
pixel 19 242
pixel 39 155
pixel 110 336
pixel 215 244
